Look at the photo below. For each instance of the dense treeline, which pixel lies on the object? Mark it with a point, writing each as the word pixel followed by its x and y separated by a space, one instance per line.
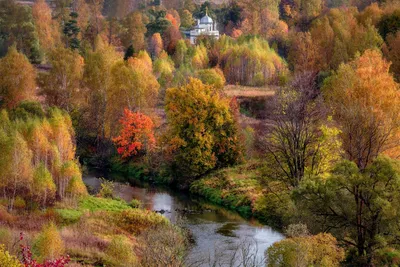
pixel 115 85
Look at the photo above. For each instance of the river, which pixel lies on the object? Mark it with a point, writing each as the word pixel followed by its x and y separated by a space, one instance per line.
pixel 221 237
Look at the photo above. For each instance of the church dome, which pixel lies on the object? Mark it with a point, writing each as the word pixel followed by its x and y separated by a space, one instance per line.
pixel 206 20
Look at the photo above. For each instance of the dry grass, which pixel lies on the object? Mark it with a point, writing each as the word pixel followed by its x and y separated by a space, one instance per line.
pixel 87 239
pixel 247 91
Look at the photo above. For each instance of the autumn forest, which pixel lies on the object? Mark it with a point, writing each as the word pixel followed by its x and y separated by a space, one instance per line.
pixel 279 114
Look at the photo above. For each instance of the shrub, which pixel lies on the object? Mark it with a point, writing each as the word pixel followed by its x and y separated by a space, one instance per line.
pixel 107 188
pixel 120 252
pixel 162 246
pixel 135 203
pixel 135 221
pixel 19 203
pixel 69 216
pixel 8 260
pixel 48 245
pixel 214 77
pixel 6 238
pixel 318 250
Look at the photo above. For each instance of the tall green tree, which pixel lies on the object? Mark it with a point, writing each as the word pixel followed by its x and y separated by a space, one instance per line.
pixel 71 32
pixel 360 207
pixel 17 27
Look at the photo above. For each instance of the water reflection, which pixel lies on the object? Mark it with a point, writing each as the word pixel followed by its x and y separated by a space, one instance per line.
pixel 219 234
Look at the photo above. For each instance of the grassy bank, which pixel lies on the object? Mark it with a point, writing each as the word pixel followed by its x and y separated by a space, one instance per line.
pixel 244 189
pixel 95 231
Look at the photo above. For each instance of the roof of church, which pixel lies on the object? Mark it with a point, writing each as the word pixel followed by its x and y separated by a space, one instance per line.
pixel 206 20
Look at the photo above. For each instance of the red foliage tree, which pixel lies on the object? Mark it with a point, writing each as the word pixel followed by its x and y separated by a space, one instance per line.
pixel 137 134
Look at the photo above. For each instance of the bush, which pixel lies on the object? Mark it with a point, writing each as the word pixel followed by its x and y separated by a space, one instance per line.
pixel 214 77
pixel 136 221
pixel 120 252
pixel 8 260
pixel 107 188
pixel 6 238
pixel 162 246
pixel 135 203
pixel 69 216
pixel 48 245
pixel 19 203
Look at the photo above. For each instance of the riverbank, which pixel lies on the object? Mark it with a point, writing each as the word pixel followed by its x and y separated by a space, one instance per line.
pixel 218 234
pixel 94 231
pixel 244 189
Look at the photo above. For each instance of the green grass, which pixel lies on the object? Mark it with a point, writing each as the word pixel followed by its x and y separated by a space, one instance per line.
pixel 69 216
pixel 237 188
pixel 244 190
pixel 91 204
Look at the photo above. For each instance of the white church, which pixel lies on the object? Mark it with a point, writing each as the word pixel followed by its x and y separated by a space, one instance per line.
pixel 205 26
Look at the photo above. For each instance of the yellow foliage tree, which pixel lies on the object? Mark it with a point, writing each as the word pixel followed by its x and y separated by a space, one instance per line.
pixel 17 79
pixel 318 250
pixel 61 86
pixel 48 245
pixel 47 28
pixel 43 187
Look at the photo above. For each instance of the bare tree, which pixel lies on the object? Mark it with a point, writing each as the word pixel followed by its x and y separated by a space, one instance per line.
pixel 293 143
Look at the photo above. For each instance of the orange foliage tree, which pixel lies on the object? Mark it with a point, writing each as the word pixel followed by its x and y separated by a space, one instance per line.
pixel 17 79
pixel 137 134
pixel 366 103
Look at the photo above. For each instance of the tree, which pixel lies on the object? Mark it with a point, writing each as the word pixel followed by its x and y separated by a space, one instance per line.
pixel 133 86
pixel 17 80
pixel 214 77
pixel 49 245
pixel 136 136
pixel 156 45
pixel 46 27
pixel 202 131
pixel 61 85
pixel 17 177
pixel 304 55
pixel 318 250
pixel 97 77
pixel 335 34
pixel 187 20
pixel 358 206
pixel 71 31
pixel 135 31
pixel 164 69
pixel 252 63
pixel 17 28
pixel 368 127
pixel 389 24
pixel 299 143
pixel 171 37
pixel 180 54
pixel 391 50
pixel 43 187
pixel 255 14
pixel 158 22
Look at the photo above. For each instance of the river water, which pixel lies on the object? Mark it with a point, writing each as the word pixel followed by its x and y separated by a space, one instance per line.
pixel 221 237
